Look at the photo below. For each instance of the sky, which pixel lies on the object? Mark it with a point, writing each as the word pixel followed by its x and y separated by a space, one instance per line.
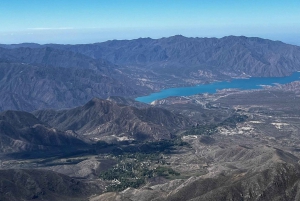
pixel 90 21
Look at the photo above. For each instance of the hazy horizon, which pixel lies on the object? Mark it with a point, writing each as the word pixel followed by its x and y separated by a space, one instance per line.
pixel 295 42
pixel 91 21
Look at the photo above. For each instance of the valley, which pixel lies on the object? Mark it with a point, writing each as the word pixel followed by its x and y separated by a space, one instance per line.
pixel 232 137
pixel 71 129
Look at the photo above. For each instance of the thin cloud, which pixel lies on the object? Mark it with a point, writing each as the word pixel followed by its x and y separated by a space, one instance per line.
pixel 48 28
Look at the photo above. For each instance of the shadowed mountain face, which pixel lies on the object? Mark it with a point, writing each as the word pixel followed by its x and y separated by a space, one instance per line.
pixel 232 56
pixel 18 185
pixel 52 57
pixel 102 117
pixel 21 131
pixel 33 79
pixel 127 101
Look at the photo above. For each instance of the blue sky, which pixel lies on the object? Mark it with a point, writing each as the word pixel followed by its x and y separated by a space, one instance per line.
pixel 89 21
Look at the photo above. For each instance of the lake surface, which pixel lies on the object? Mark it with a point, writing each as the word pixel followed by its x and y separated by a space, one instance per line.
pixel 242 84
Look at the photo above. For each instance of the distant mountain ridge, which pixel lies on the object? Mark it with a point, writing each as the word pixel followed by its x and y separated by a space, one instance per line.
pixel 40 78
pixel 34 76
pixel 239 54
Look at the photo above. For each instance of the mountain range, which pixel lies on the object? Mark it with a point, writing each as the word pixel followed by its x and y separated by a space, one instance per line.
pixel 231 54
pixel 228 55
pixel 70 128
pixel 34 76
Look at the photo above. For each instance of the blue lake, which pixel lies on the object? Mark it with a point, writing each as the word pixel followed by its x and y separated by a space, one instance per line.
pixel 242 84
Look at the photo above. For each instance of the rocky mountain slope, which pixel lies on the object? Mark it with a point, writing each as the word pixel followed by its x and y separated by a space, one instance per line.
pixel 47 56
pixel 18 185
pixel 103 118
pixel 219 167
pixel 27 87
pixel 33 79
pixel 279 182
pixel 233 56
pixel 22 131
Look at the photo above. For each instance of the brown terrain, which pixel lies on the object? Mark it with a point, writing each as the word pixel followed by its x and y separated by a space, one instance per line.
pixel 68 145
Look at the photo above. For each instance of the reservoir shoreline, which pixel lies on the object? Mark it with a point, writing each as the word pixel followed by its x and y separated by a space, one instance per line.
pixel 240 83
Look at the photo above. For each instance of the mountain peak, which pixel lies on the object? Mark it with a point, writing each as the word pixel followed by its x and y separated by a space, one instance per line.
pixel 99 118
pixel 98 104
